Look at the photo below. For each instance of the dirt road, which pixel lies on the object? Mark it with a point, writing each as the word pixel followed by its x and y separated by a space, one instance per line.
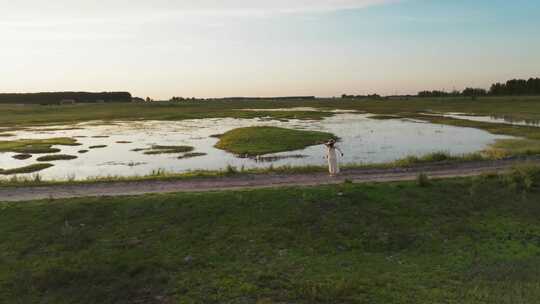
pixel 243 181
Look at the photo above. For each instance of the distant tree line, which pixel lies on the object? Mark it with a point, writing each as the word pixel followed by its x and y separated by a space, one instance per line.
pixel 64 97
pixel 517 87
pixel 177 99
pixel 370 96
pixel 437 93
pixel 511 87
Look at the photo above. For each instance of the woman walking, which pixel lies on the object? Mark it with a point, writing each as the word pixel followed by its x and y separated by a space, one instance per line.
pixel 331 155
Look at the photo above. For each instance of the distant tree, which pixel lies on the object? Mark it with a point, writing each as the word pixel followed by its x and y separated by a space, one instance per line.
pixel 497 89
pixel 433 94
pixel 533 86
pixel 474 92
pixel 516 87
pixel 58 97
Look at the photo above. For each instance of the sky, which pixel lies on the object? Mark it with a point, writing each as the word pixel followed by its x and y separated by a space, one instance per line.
pixel 217 48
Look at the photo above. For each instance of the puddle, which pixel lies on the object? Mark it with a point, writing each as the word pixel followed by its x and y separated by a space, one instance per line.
pixel 364 140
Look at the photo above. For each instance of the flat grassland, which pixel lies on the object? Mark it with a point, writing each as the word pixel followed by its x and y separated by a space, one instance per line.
pixel 469 240
pixel 517 108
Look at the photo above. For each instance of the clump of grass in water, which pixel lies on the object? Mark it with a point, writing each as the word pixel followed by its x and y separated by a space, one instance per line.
pixel 56 157
pixel 36 150
pixel 83 151
pixel 22 156
pixel 27 169
pixel 158 149
pixel 36 146
pixel 259 158
pixel 191 155
pixel 97 147
pixel 253 141
pixel 384 117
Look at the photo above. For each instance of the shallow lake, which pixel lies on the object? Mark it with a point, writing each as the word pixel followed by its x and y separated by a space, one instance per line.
pixel 364 140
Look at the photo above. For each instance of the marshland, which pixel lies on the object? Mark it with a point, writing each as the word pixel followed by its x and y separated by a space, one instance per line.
pixel 144 161
pixel 81 142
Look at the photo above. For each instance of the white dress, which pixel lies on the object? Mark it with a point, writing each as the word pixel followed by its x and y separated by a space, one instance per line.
pixel 333 166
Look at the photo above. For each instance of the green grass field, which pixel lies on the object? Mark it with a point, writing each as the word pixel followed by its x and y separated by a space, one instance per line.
pixel 16 116
pixel 453 241
pixel 254 141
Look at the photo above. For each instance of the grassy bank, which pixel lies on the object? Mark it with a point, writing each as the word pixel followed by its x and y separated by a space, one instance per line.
pixel 254 141
pixel 17 116
pixel 453 241
pixel 437 158
pixel 517 108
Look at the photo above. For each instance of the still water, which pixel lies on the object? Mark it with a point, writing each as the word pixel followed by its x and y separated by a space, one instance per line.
pixel 364 140
pixel 491 119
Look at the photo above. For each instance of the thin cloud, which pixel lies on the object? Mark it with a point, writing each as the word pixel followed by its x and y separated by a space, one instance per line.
pixel 276 6
pixel 66 19
pixel 66 8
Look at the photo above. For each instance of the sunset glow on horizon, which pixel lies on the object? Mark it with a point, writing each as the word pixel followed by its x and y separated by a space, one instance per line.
pixel 266 48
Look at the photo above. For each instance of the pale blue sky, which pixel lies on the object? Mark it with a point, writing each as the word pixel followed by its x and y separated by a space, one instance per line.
pixel 212 48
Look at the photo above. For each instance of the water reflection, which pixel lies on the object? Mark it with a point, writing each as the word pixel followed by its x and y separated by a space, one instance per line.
pixel 504 119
